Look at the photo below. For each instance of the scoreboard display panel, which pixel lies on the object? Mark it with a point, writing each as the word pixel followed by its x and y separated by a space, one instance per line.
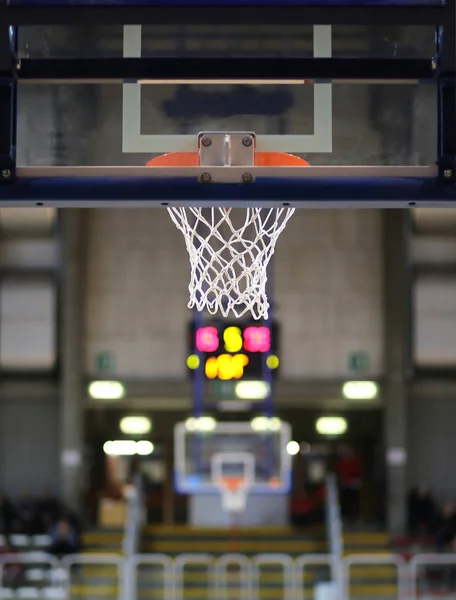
pixel 235 350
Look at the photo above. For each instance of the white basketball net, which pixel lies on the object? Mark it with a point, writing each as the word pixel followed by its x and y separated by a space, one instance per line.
pixel 234 500
pixel 229 259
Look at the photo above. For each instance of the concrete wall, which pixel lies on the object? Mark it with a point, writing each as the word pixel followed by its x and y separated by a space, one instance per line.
pixel 328 288
pixel 433 252
pixel 260 510
pixel 29 445
pixel 435 321
pixel 137 278
pixel 28 298
pixel 432 445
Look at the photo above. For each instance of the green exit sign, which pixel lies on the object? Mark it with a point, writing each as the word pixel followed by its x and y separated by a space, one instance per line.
pixel 105 362
pixel 224 389
pixel 359 362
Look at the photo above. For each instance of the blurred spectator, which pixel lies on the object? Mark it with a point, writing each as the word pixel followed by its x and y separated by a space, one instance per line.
pixel 308 507
pixel 348 470
pixel 422 511
pixel 28 515
pixel 7 515
pixel 75 524
pixel 13 572
pixel 64 538
pixel 48 508
pixel 446 527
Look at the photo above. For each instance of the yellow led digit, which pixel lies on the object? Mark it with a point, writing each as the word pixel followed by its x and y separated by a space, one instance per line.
pixel 226 366
pixel 232 337
pixel 210 368
pixel 239 361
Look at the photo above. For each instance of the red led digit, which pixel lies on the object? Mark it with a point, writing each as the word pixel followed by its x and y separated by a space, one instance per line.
pixel 207 339
pixel 257 339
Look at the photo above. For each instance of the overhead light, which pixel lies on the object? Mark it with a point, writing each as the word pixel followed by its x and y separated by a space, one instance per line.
pixel 331 426
pixel 128 447
pixel 266 424
pixel 305 447
pixel 203 424
pixel 251 390
pixel 106 390
pixel 120 447
pixel 275 424
pixel 293 448
pixel 360 390
pixel 135 425
pixel 144 447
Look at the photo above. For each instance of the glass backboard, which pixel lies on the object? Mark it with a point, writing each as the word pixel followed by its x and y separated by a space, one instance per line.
pixel 206 452
pixel 115 124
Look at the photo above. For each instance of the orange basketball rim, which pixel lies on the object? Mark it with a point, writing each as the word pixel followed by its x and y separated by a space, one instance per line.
pixel 262 159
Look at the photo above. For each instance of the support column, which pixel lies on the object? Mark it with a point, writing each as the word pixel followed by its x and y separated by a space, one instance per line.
pixel 71 356
pixel 168 487
pixel 397 329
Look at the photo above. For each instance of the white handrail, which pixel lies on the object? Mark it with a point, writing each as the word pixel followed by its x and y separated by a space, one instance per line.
pixel 221 567
pixel 180 563
pixel 134 520
pixel 306 560
pixel 30 558
pixel 249 571
pixel 131 569
pixel 375 559
pixel 334 525
pixel 287 564
pixel 421 560
pixel 94 559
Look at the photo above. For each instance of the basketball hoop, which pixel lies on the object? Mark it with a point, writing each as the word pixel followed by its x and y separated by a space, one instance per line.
pixel 233 491
pixel 229 249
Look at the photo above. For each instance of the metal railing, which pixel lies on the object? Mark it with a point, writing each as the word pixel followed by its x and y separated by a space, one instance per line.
pixel 135 518
pixel 158 562
pixel 71 576
pixel 286 570
pixel 304 563
pixel 334 526
pixel 396 560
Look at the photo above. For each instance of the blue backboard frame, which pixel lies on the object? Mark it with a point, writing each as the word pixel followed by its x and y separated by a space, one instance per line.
pixel 199 482
pixel 325 187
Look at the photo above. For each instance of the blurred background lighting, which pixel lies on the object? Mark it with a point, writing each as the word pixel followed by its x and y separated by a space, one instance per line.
pixel 135 425
pixel 106 390
pixel 293 448
pixel 128 447
pixel 360 390
pixel 252 390
pixel 331 425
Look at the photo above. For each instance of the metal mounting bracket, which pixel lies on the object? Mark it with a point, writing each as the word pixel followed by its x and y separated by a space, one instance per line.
pixel 226 149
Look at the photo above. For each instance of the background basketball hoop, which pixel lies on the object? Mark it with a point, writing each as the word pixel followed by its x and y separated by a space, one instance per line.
pixel 233 491
pixel 233 487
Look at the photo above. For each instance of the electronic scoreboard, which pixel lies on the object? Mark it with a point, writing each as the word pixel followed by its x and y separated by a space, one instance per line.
pixel 226 350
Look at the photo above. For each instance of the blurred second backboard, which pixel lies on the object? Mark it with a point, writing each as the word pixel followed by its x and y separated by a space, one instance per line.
pixel 207 453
